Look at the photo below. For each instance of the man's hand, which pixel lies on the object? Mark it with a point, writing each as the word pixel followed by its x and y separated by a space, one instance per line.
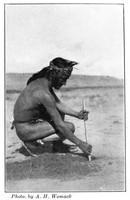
pixel 86 148
pixel 83 114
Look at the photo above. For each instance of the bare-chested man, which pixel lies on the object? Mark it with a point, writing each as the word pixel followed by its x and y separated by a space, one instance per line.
pixel 38 113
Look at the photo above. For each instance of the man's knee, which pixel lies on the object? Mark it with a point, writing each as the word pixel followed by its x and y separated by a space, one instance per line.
pixel 71 126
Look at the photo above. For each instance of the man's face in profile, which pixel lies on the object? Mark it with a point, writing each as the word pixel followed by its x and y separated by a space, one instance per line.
pixel 59 82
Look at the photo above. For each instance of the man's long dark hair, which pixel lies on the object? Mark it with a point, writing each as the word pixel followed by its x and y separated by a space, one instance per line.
pixel 42 73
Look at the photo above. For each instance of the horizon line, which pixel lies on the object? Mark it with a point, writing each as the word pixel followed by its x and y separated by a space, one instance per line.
pixel 122 78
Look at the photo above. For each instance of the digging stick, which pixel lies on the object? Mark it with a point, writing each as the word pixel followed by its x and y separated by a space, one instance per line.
pixel 85 129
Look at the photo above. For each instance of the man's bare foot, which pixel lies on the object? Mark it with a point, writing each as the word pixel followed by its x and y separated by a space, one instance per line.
pixel 59 146
pixel 33 147
pixel 27 147
pixel 71 147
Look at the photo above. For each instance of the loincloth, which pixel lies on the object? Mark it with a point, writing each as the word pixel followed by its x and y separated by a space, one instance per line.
pixel 33 121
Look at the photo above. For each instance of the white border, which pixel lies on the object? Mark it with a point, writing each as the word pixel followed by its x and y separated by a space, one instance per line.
pixel 88 195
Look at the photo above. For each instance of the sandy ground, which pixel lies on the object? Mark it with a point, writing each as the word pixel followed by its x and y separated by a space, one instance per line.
pixel 64 171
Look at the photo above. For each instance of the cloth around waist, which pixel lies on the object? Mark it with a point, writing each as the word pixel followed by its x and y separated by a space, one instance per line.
pixel 33 121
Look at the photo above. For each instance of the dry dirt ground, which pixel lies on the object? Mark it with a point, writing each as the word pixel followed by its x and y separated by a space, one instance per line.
pixel 64 171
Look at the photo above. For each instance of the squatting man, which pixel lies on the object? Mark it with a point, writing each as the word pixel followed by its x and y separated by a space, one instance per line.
pixel 38 113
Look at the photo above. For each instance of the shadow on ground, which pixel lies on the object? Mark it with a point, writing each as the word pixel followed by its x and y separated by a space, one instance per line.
pixel 52 147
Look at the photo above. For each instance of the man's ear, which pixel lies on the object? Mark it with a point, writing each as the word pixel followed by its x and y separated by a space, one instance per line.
pixel 52 75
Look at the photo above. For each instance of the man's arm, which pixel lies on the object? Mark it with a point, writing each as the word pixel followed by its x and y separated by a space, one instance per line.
pixel 64 108
pixel 49 103
pixel 83 114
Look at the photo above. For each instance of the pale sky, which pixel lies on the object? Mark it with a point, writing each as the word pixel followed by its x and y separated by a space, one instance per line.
pixel 89 34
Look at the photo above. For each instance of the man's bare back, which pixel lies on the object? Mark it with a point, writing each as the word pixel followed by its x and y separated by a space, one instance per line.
pixel 29 106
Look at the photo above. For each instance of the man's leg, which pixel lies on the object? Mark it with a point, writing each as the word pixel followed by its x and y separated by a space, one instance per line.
pixel 35 131
pixel 70 126
pixel 31 133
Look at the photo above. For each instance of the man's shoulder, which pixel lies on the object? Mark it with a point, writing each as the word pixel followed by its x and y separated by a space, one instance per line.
pixel 43 93
pixel 44 97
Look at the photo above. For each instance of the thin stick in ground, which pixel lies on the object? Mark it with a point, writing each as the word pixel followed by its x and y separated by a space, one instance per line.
pixel 85 129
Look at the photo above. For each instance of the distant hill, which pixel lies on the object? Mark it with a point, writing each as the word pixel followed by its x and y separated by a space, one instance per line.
pixel 17 81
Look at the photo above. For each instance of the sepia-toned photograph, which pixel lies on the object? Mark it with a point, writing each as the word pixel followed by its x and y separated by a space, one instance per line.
pixel 64 98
